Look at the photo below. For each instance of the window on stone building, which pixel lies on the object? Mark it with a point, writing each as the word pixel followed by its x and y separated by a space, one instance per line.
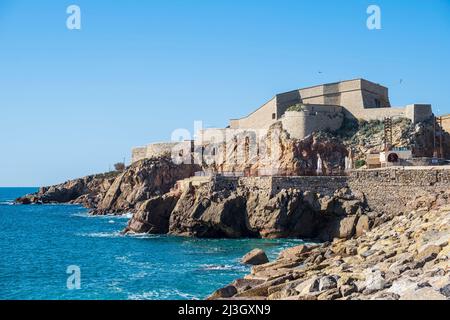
pixel 274 116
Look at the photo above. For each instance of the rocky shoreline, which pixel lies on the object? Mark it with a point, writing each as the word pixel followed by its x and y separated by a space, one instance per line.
pixel 404 258
pixel 372 246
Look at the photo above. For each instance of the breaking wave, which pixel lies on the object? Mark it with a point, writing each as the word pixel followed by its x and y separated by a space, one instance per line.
pixel 162 295
pixel 100 234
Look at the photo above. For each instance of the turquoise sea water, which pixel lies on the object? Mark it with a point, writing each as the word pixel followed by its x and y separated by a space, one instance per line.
pixel 39 243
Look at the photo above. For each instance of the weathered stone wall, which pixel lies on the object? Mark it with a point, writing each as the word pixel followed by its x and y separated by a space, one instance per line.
pixel 355 95
pixel 418 112
pixel 300 124
pixel 273 185
pixel 415 112
pixel 389 190
pixel 138 153
pixel 324 185
pixel 361 99
pixel 446 123
pixel 159 149
pixel 225 183
pixel 260 118
pixel 152 150
pixel 386 190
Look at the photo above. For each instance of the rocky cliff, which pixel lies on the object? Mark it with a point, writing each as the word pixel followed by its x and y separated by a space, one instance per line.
pixel 276 153
pixel 116 192
pixel 207 211
pixel 88 191
pixel 406 258
pixel 368 137
pixel 142 181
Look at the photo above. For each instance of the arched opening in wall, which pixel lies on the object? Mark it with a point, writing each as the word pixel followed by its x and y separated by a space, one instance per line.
pixel 181 153
pixel 274 116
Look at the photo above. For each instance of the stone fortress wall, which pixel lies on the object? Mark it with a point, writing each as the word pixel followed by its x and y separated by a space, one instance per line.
pixel 312 118
pixel 152 150
pixel 390 189
pixel 324 185
pixel 359 98
pixel 262 117
pixel 386 190
pixel 324 108
pixel 446 123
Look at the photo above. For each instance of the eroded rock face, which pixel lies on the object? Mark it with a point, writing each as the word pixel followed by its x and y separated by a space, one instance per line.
pixel 117 192
pixel 278 152
pixel 142 181
pixel 153 215
pixel 201 211
pixel 87 191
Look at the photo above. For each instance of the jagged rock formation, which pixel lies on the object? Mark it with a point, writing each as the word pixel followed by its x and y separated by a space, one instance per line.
pixel 87 191
pixel 368 137
pixel 406 257
pixel 142 181
pixel 202 211
pixel 116 192
pixel 276 153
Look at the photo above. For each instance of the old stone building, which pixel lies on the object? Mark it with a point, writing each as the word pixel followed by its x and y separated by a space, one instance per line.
pixel 357 98
pixel 302 112
pixel 446 122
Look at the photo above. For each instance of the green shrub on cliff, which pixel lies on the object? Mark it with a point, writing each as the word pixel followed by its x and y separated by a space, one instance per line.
pixel 296 107
pixel 360 163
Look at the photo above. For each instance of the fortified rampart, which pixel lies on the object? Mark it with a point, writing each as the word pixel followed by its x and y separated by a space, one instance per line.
pixel 386 190
pixel 446 123
pixel 391 189
pixel 324 184
pixel 312 118
pixel 324 108
pixel 174 149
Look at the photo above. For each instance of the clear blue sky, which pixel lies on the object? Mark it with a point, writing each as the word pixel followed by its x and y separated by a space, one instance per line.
pixel 74 102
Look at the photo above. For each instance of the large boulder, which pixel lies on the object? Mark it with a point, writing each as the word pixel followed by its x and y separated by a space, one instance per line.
pixel 362 225
pixel 294 252
pixel 153 215
pixel 205 214
pixel 255 257
pixel 87 191
pixel 225 292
